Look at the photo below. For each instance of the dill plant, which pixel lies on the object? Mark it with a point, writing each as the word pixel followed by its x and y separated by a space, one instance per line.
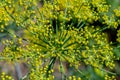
pixel 63 31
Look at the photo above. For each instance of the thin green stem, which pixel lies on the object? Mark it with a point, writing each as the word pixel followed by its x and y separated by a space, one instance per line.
pixel 107 71
pixel 62 70
pixel 51 64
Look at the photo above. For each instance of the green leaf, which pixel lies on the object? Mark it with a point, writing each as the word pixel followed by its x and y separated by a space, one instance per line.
pixel 117 51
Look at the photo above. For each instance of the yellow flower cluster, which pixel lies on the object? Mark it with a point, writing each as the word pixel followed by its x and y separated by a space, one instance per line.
pixel 65 10
pixel 97 51
pixel 74 78
pixel 4 19
pixel 118 34
pixel 107 77
pixel 14 50
pixel 5 77
pixel 110 21
pixel 117 12
pixel 41 74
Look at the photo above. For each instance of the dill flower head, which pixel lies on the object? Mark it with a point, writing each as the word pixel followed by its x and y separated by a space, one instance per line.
pixel 60 30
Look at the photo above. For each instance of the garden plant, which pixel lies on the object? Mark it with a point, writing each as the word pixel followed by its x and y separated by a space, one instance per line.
pixel 61 39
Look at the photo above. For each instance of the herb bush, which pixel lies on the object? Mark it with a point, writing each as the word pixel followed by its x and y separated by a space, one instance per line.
pixel 75 32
